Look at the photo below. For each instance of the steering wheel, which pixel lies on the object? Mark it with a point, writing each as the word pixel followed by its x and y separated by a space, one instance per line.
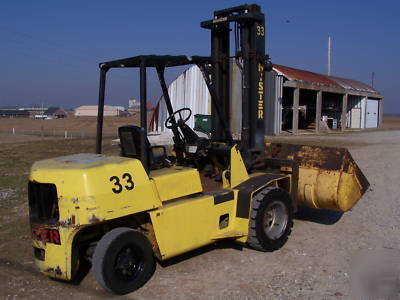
pixel 170 125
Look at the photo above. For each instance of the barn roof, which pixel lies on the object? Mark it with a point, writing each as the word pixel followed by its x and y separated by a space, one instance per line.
pixel 322 80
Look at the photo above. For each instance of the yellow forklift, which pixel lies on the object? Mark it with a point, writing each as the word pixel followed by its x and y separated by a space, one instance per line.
pixel 122 213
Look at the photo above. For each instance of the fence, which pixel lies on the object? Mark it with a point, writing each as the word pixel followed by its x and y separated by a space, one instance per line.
pixel 65 133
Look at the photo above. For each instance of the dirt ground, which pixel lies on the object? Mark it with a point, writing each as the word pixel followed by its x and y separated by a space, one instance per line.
pixel 316 262
pixel 84 126
pixel 390 122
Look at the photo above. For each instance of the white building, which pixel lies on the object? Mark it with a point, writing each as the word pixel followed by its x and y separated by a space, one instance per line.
pixel 91 111
pixel 133 104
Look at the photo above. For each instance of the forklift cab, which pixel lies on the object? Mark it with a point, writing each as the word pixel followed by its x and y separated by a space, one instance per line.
pixel 134 141
pixel 211 157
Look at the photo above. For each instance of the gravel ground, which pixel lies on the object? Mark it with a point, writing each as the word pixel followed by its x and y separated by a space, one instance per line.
pixel 318 262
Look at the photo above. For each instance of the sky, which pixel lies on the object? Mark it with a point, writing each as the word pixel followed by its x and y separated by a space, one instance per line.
pixel 50 50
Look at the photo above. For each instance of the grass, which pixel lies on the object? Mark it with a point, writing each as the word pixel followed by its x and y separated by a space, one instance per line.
pixel 83 126
pixel 16 160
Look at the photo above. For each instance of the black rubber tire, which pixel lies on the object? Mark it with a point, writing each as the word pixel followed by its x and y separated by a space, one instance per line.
pixel 257 237
pixel 108 254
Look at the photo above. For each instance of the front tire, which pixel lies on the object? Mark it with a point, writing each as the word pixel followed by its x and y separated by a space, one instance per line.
pixel 123 260
pixel 271 219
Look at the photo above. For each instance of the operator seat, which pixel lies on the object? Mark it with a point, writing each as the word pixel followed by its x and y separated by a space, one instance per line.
pixel 129 136
pixel 194 143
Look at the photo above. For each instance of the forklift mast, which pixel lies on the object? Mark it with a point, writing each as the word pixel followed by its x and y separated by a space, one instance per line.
pixel 249 29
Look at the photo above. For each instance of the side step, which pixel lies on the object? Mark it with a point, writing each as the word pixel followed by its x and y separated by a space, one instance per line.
pixel 228 234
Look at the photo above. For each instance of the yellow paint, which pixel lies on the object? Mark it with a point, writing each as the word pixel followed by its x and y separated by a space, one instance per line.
pixel 238 169
pixel 260 102
pixel 85 190
pixel 225 181
pixel 176 182
pixel 187 224
pixel 242 225
pixel 58 258
pixel 347 193
pixel 327 189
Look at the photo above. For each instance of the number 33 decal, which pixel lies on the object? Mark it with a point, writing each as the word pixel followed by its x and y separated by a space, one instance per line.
pixel 128 183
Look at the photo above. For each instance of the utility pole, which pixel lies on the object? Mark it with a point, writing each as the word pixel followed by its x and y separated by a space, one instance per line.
pixel 372 78
pixel 329 55
pixel 42 119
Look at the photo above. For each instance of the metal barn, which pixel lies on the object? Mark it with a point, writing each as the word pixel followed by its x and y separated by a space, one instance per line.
pixel 296 101
pixel 309 100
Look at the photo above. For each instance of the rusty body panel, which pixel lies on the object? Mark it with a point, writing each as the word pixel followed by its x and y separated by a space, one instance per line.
pixel 329 178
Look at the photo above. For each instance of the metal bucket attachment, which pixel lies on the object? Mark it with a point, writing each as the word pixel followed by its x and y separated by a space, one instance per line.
pixel 329 178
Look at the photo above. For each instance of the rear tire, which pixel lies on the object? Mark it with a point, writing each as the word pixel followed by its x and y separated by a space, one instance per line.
pixel 271 219
pixel 123 260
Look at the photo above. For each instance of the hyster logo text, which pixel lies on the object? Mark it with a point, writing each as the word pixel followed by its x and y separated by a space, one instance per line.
pixel 260 106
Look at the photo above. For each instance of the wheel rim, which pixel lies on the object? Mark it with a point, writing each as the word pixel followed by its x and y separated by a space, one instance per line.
pixel 275 220
pixel 128 263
